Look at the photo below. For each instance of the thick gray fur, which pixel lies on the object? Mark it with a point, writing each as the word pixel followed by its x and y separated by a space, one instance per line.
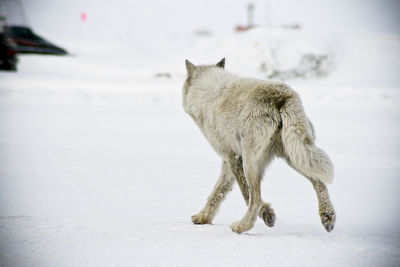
pixel 249 122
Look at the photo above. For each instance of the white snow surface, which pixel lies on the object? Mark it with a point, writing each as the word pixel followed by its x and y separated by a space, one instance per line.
pixel 100 166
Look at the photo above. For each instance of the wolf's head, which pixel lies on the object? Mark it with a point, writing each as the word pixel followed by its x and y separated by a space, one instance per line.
pixel 193 72
pixel 191 69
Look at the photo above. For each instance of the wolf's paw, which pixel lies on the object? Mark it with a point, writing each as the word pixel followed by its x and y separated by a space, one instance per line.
pixel 239 227
pixel 200 219
pixel 328 219
pixel 268 215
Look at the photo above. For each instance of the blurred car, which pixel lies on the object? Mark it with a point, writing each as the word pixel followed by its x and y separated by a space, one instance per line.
pixel 24 41
pixel 8 56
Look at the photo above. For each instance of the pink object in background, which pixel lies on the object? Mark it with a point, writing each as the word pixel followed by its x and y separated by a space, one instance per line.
pixel 83 16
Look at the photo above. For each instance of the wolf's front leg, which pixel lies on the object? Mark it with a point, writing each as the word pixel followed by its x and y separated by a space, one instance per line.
pixel 221 188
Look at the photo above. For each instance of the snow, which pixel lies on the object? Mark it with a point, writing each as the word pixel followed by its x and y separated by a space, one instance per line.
pixel 100 166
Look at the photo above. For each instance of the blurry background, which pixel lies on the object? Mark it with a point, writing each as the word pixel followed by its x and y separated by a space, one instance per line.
pixel 99 165
pixel 159 34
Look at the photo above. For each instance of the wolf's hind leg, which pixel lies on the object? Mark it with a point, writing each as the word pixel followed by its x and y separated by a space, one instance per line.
pixel 266 213
pixel 254 162
pixel 326 210
pixel 253 173
pixel 221 188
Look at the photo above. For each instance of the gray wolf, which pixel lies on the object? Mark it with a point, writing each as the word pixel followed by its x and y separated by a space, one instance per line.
pixel 249 122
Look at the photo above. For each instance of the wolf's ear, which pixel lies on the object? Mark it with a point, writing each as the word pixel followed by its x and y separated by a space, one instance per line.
pixel 221 64
pixel 189 67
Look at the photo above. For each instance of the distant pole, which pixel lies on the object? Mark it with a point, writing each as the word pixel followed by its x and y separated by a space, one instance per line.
pixel 24 17
pixel 250 15
pixel 268 14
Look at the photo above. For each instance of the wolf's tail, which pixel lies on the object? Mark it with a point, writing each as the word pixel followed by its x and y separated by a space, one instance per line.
pixel 298 143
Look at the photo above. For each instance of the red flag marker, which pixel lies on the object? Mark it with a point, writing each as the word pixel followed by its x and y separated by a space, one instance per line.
pixel 83 16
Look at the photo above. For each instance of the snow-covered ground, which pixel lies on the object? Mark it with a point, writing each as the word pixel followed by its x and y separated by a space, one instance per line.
pixel 100 166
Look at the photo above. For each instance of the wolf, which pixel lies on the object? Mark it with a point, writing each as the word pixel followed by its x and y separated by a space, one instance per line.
pixel 249 122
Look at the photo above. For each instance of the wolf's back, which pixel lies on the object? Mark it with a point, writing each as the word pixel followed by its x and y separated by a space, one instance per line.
pixel 298 143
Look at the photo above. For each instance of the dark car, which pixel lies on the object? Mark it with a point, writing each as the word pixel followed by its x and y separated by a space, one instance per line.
pixel 24 40
pixel 8 56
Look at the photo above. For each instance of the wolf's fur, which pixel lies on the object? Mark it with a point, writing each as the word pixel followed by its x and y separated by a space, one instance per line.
pixel 249 122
